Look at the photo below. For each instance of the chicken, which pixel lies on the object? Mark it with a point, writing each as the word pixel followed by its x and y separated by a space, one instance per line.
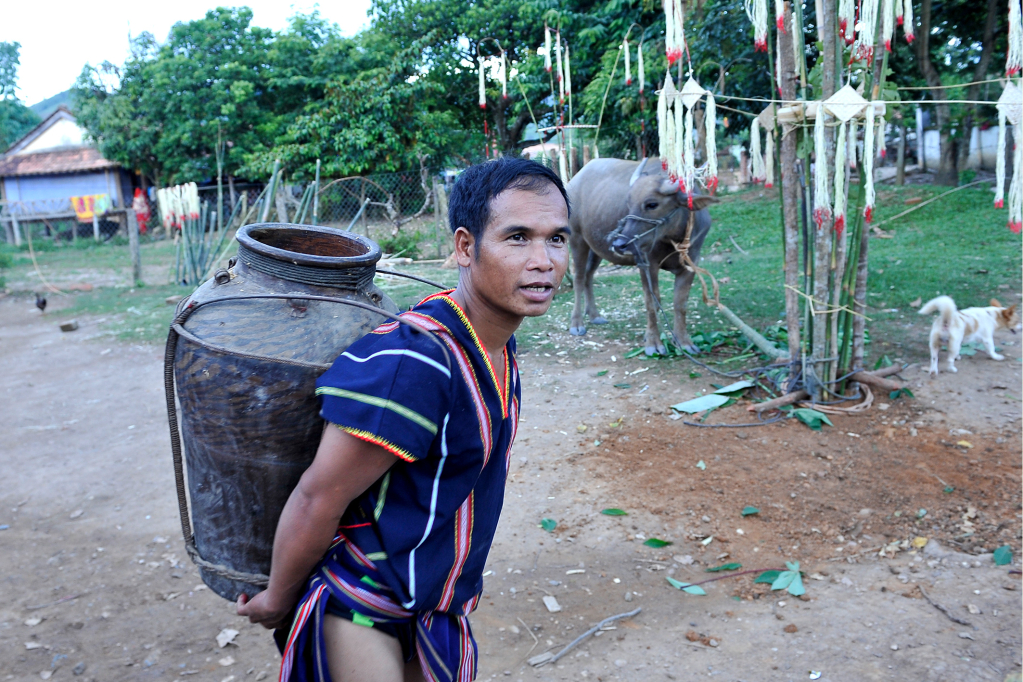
pixel 41 303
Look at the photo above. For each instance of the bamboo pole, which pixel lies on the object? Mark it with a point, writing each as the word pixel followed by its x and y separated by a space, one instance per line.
pixel 316 195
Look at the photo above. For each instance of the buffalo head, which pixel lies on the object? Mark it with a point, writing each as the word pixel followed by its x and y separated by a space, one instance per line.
pixel 657 209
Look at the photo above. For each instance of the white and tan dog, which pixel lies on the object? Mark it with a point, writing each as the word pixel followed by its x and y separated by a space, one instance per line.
pixel 955 326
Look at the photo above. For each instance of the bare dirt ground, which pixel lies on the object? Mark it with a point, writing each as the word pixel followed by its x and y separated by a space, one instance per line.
pixel 96 584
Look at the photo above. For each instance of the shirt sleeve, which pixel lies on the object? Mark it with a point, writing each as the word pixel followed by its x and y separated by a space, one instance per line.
pixel 392 389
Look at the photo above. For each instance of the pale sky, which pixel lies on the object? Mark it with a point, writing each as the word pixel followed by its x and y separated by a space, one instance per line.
pixel 56 43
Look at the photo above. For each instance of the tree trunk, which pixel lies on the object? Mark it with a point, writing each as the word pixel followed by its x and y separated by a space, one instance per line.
pixel 900 167
pixel 823 236
pixel 790 190
pixel 979 74
pixel 948 171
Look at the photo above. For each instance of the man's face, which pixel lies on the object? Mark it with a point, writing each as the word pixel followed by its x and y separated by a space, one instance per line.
pixel 519 261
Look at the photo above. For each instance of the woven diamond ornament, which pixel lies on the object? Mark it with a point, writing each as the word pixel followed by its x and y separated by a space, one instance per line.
pixel 691 93
pixel 845 104
pixel 1011 103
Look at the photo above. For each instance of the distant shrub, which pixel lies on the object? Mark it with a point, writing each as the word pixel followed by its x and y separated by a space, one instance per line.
pixel 403 244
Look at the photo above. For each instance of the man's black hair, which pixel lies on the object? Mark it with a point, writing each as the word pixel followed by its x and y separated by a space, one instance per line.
pixel 469 204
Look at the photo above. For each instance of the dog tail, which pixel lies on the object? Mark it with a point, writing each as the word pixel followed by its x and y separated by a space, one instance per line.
pixel 943 305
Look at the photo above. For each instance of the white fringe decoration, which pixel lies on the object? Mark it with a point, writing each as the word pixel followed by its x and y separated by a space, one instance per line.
pixel 841 148
pixel 854 131
pixel 1016 186
pixel 678 111
pixel 557 58
pixel 547 47
pixel 639 60
pixel 568 74
pixel 867 26
pixel 687 178
pixel 769 159
pixel 907 20
pixel 882 150
pixel 674 30
pixel 628 66
pixel 869 152
pixel 779 14
pixel 680 29
pixel 756 10
pixel 1000 163
pixel 888 22
pixel 754 151
pixel 504 75
pixel 563 166
pixel 1014 58
pixel 847 20
pixel 710 125
pixel 798 41
pixel 669 29
pixel 483 86
pixel 662 123
pixel 821 199
pixel 899 13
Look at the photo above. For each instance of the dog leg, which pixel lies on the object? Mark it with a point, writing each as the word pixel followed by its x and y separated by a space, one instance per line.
pixel 954 345
pixel 935 349
pixel 989 345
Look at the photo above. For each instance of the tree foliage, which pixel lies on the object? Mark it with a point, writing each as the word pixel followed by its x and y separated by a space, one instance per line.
pixel 15 118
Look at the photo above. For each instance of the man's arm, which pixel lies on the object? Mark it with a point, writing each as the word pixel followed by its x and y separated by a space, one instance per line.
pixel 344 467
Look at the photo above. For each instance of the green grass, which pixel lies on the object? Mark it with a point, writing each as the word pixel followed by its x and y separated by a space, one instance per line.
pixel 958 245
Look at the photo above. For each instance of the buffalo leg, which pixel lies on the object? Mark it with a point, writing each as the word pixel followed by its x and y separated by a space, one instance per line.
pixel 581 285
pixel 683 282
pixel 592 312
pixel 651 294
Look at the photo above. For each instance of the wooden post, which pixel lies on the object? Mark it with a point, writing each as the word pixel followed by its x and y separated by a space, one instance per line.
pixel 790 189
pixel 95 225
pixel 586 154
pixel 8 232
pixel 900 165
pixel 316 195
pixel 17 230
pixel 133 247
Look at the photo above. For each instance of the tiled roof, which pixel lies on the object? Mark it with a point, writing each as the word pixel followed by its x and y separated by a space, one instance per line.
pixel 54 162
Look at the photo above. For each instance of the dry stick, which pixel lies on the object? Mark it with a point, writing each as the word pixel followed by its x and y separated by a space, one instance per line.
pixel 36 607
pixel 735 575
pixel 787 399
pixel 943 609
pixel 876 381
pixel 737 246
pixel 589 632
pixel 924 203
pixel 535 640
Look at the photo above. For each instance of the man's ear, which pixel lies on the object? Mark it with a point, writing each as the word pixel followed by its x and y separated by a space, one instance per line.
pixel 465 247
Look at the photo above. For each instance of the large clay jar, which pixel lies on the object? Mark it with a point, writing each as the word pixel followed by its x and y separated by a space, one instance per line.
pixel 243 354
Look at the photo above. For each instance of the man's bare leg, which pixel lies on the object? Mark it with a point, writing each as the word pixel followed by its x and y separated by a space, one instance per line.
pixel 356 653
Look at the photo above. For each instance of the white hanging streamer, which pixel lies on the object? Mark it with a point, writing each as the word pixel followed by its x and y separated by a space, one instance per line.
pixel 662 124
pixel 639 62
pixel 1016 186
pixel 1000 163
pixel 798 41
pixel 869 152
pixel 678 14
pixel 821 197
pixel 483 86
pixel 779 15
pixel 847 20
pixel 561 75
pixel 769 159
pixel 568 74
pixel 756 10
pixel 1014 57
pixel 547 48
pixel 710 125
pixel 907 20
pixel 678 113
pixel 754 151
pixel 854 130
pixel 504 75
pixel 882 149
pixel 888 22
pixel 841 148
pixel 628 66
pixel 867 27
pixel 687 177
pixel 669 30
pixel 562 166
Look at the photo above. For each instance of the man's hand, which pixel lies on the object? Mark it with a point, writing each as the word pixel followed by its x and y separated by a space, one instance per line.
pixel 265 609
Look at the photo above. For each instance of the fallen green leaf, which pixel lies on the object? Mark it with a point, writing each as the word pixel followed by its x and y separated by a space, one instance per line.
pixel 883 361
pixel 1003 555
pixel 548 525
pixel 750 511
pixel 767 577
pixel 693 374
pixel 704 402
pixel 736 387
pixel 634 353
pixel 686 587
pixel 921 513
pixel 601 372
pixel 614 512
pixel 948 489
pixel 811 418
pixel 700 465
pixel 623 385
pixel 656 542
pixel 723 567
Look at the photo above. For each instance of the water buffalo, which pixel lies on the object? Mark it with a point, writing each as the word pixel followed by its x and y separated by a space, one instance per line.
pixel 624 208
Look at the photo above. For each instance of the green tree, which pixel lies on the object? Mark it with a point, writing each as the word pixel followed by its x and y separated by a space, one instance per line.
pixel 15 118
